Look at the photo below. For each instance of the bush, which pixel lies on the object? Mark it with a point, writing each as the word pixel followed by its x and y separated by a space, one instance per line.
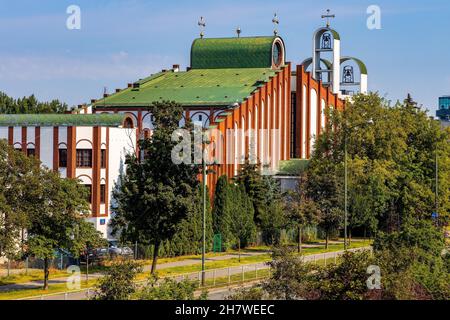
pixel 118 283
pixel 169 289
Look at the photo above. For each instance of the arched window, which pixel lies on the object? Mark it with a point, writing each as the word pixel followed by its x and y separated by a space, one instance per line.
pixel 304 122
pixel 147 133
pixel 128 123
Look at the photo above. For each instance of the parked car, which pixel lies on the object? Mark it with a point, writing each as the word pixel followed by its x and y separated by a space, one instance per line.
pixel 125 252
pixel 95 255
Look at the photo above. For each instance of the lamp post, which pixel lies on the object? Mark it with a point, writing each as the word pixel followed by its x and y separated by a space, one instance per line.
pixel 346 130
pixel 205 171
pixel 204 215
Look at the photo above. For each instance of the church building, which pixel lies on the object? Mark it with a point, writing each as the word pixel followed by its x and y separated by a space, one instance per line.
pixel 253 103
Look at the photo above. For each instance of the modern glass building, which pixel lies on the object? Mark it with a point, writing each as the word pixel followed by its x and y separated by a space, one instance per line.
pixel 443 111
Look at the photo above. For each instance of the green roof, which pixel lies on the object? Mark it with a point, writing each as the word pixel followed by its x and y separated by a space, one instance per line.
pixel 61 120
pixel 196 87
pixel 219 53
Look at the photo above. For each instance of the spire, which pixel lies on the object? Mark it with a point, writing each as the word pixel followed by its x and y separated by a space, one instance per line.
pixel 202 25
pixel 328 16
pixel 276 22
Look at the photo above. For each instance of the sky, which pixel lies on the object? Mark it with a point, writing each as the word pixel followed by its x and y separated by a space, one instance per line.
pixel 122 41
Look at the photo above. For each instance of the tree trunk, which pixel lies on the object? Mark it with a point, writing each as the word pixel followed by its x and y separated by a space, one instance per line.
pixel 299 249
pixel 349 236
pixel 46 273
pixel 326 239
pixel 155 256
pixel 239 249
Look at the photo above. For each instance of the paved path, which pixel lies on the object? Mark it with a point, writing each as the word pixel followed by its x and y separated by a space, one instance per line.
pixel 216 294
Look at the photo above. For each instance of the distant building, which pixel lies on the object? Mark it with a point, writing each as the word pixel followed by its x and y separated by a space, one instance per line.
pixel 443 112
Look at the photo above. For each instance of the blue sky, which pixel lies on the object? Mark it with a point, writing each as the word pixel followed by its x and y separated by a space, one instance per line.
pixel 121 41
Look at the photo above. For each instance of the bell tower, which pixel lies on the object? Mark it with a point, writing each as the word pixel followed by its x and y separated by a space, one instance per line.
pixel 327 47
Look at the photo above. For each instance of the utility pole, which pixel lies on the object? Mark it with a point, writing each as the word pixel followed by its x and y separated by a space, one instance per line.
pixel 345 191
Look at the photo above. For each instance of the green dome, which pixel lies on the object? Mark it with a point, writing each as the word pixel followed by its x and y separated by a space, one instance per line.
pixel 222 53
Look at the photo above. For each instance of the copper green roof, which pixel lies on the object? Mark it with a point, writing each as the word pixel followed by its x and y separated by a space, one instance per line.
pixel 196 87
pixel 219 53
pixel 61 120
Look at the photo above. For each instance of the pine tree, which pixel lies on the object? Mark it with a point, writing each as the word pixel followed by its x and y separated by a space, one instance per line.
pixel 156 194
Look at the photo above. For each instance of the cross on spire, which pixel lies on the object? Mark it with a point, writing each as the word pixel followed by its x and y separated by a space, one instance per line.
pixel 275 22
pixel 202 25
pixel 328 16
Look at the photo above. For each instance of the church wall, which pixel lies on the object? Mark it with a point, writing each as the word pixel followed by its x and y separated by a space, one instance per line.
pixel 312 99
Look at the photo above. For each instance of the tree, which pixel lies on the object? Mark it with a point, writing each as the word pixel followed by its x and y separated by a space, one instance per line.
pixel 156 194
pixel 391 163
pixel 30 105
pixel 118 282
pixel 241 212
pixel 219 214
pixel 169 289
pixel 249 176
pixel 189 234
pixel 58 207
pixel 19 180
pixel 301 211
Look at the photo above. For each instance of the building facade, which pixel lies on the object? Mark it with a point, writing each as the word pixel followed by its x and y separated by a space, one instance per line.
pixel 87 147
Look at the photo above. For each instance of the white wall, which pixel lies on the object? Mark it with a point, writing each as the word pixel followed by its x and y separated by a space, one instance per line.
pixel 313 120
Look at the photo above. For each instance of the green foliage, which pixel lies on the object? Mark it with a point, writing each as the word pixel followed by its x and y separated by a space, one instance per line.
pixel 391 165
pixel 29 105
pixel 240 209
pixel 118 282
pixel 86 236
pixel 188 236
pixel 156 194
pixel 291 278
pixel 19 185
pixel 412 262
pixel 169 289
pixel 346 280
pixel 38 200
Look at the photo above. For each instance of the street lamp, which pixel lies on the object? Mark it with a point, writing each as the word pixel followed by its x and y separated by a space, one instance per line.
pixel 346 130
pixel 205 171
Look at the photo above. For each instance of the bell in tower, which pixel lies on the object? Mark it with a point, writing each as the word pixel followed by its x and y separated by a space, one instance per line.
pixel 326 41
pixel 348 75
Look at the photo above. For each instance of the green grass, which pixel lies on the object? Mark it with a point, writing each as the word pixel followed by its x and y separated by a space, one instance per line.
pixel 54 288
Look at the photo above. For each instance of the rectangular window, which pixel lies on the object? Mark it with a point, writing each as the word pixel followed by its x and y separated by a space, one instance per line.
pixel 31 152
pixel 84 158
pixel 103 158
pixel 89 192
pixel 102 193
pixel 63 158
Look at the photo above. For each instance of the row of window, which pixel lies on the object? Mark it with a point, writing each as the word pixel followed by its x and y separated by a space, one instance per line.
pixel 102 193
pixel 83 158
